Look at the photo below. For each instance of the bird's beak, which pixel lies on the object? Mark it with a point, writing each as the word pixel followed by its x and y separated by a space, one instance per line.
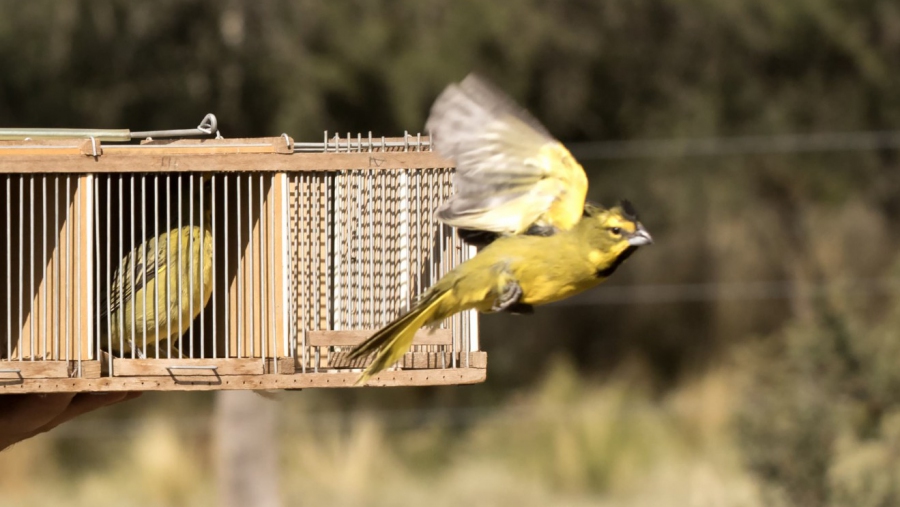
pixel 640 237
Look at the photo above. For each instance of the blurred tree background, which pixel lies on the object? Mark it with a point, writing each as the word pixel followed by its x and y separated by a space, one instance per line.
pixel 747 358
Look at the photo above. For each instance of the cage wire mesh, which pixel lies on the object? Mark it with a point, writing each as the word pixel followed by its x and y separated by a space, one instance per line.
pixel 364 246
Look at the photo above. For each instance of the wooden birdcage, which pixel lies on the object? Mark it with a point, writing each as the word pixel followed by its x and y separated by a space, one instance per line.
pixel 314 247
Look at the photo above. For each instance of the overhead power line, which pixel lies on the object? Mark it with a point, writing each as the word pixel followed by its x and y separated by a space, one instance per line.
pixel 742 145
pixel 726 291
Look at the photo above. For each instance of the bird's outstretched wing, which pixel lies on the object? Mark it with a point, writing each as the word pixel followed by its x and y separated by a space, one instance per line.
pixel 511 173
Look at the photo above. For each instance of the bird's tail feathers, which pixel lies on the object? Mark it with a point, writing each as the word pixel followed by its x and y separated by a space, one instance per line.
pixel 391 342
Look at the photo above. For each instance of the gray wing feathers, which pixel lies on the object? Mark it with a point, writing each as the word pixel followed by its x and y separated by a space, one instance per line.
pixel 480 128
pixel 475 102
pixel 494 143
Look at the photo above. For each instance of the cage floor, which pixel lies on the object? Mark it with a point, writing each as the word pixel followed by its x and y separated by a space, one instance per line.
pixel 200 380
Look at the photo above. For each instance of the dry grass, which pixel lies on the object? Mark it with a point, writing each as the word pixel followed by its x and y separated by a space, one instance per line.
pixel 565 444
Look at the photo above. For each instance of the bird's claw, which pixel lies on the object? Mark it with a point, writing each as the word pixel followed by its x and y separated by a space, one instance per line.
pixel 541 230
pixel 512 292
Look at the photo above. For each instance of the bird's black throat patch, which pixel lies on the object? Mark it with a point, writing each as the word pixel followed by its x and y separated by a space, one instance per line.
pixel 609 270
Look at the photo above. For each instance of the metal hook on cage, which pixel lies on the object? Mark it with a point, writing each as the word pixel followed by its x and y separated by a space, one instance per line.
pixel 207 126
pixel 287 141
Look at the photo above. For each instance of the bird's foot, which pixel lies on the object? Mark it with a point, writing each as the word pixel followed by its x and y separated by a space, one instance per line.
pixel 138 353
pixel 512 292
pixel 541 230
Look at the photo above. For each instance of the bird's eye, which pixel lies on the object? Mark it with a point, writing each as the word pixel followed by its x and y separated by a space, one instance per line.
pixel 615 230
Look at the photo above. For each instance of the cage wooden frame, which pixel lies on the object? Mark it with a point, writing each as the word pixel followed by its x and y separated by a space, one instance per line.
pixel 327 180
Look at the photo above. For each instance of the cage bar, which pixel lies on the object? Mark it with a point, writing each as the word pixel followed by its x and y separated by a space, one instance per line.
pixel 45 332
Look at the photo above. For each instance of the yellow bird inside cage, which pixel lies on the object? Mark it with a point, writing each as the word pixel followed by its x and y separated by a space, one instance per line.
pixel 161 285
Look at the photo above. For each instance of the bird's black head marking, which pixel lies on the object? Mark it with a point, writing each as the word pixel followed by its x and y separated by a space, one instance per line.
pixel 628 210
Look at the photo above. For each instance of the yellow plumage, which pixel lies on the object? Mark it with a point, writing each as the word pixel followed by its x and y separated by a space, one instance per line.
pixel 512 176
pixel 516 271
pixel 160 301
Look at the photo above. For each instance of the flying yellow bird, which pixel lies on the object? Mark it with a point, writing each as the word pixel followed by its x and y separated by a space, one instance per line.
pixel 515 273
pixel 512 176
pixel 172 282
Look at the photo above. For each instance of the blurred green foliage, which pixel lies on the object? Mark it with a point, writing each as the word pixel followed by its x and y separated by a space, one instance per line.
pixel 820 411
pixel 816 414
